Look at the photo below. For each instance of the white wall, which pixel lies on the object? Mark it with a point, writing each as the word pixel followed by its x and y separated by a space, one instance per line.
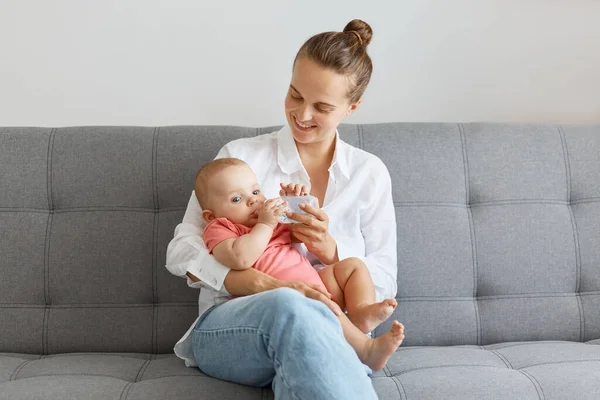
pixel 149 62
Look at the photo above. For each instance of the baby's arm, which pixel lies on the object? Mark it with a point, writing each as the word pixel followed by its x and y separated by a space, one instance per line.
pixel 241 253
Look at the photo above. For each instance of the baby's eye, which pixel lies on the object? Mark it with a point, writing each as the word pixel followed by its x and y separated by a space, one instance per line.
pixel 236 199
pixel 256 192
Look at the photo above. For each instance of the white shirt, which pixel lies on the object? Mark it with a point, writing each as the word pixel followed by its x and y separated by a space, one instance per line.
pixel 358 202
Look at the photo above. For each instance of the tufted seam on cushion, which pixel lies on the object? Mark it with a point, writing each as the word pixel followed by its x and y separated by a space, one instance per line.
pixel 463 140
pixel 586 200
pixel 195 376
pixel 155 225
pixel 501 357
pixel 13 376
pixel 396 204
pixel 125 391
pixel 525 295
pixel 504 202
pixel 94 353
pixel 446 366
pixel 386 370
pixel 478 321
pixel 536 385
pixel 492 202
pixel 7 355
pixel 50 213
pixel 46 323
pixel 98 305
pixel 563 141
pixel 530 344
pixel 49 168
pixel 47 300
pixel 143 368
pixel 400 388
pixel 427 204
pixel 44 347
pixel 581 317
pixel 74 374
pixel 565 149
pixel 127 388
pixel 475 276
pixel 495 297
pixel 561 362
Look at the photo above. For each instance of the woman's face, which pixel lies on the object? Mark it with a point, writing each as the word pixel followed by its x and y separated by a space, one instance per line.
pixel 316 102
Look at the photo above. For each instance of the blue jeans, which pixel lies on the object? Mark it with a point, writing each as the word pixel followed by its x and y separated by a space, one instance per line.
pixel 283 337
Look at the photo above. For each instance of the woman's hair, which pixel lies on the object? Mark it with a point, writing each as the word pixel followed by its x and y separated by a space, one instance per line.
pixel 345 53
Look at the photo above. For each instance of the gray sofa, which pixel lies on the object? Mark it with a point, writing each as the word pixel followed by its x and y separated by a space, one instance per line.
pixel 498 251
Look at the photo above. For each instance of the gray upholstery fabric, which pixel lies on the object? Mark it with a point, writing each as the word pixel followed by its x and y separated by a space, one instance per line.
pixel 498 260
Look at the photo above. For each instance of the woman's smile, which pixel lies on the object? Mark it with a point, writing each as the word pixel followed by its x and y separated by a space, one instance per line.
pixel 303 127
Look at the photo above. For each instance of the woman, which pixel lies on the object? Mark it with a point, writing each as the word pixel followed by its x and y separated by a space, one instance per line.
pixel 276 331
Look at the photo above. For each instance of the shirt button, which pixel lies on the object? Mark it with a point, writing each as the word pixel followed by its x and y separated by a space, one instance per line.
pixel 213 281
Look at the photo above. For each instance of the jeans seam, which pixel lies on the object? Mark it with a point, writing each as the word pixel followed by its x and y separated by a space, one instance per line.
pixel 260 332
pixel 282 374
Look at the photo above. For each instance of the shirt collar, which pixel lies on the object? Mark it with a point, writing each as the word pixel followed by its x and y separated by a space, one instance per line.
pixel 289 159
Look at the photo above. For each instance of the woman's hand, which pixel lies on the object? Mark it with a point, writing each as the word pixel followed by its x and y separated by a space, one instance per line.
pixel 292 189
pixel 251 281
pixel 315 292
pixel 312 230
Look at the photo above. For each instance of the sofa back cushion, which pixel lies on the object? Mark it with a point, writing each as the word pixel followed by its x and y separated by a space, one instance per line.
pixel 498 232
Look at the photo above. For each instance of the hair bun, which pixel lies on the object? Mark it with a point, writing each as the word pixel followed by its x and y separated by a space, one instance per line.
pixel 362 28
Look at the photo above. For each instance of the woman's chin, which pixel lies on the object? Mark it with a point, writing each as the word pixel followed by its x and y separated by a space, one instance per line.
pixel 304 136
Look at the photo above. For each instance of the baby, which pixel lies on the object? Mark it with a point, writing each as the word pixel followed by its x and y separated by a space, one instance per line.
pixel 243 231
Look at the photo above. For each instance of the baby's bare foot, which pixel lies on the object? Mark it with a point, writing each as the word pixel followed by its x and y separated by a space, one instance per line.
pixel 377 351
pixel 369 317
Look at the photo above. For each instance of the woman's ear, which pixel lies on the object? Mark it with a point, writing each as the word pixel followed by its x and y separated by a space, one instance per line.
pixel 353 107
pixel 208 215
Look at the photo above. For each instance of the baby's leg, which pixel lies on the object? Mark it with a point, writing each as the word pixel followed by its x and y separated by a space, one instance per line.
pixel 351 286
pixel 373 352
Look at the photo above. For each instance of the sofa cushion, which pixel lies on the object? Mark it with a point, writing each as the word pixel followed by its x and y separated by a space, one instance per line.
pixel 112 376
pixel 523 370
pixel 519 370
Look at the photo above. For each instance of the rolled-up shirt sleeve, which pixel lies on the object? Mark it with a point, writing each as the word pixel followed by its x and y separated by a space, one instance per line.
pixel 378 228
pixel 187 251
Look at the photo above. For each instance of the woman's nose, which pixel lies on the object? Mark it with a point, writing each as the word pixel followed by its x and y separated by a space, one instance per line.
pixel 304 114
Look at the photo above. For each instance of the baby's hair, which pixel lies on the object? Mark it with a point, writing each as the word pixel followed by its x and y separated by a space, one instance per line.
pixel 208 171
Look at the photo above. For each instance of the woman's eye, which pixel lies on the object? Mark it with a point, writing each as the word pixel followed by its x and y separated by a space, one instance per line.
pixel 256 192
pixel 236 199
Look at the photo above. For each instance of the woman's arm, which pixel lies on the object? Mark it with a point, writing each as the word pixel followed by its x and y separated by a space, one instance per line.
pixel 247 282
pixel 378 228
pixel 252 281
pixel 187 254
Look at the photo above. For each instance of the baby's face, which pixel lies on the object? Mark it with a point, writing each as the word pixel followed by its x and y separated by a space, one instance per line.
pixel 235 194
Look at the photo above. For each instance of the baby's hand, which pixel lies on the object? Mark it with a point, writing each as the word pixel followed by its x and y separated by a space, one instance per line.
pixel 270 212
pixel 292 189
